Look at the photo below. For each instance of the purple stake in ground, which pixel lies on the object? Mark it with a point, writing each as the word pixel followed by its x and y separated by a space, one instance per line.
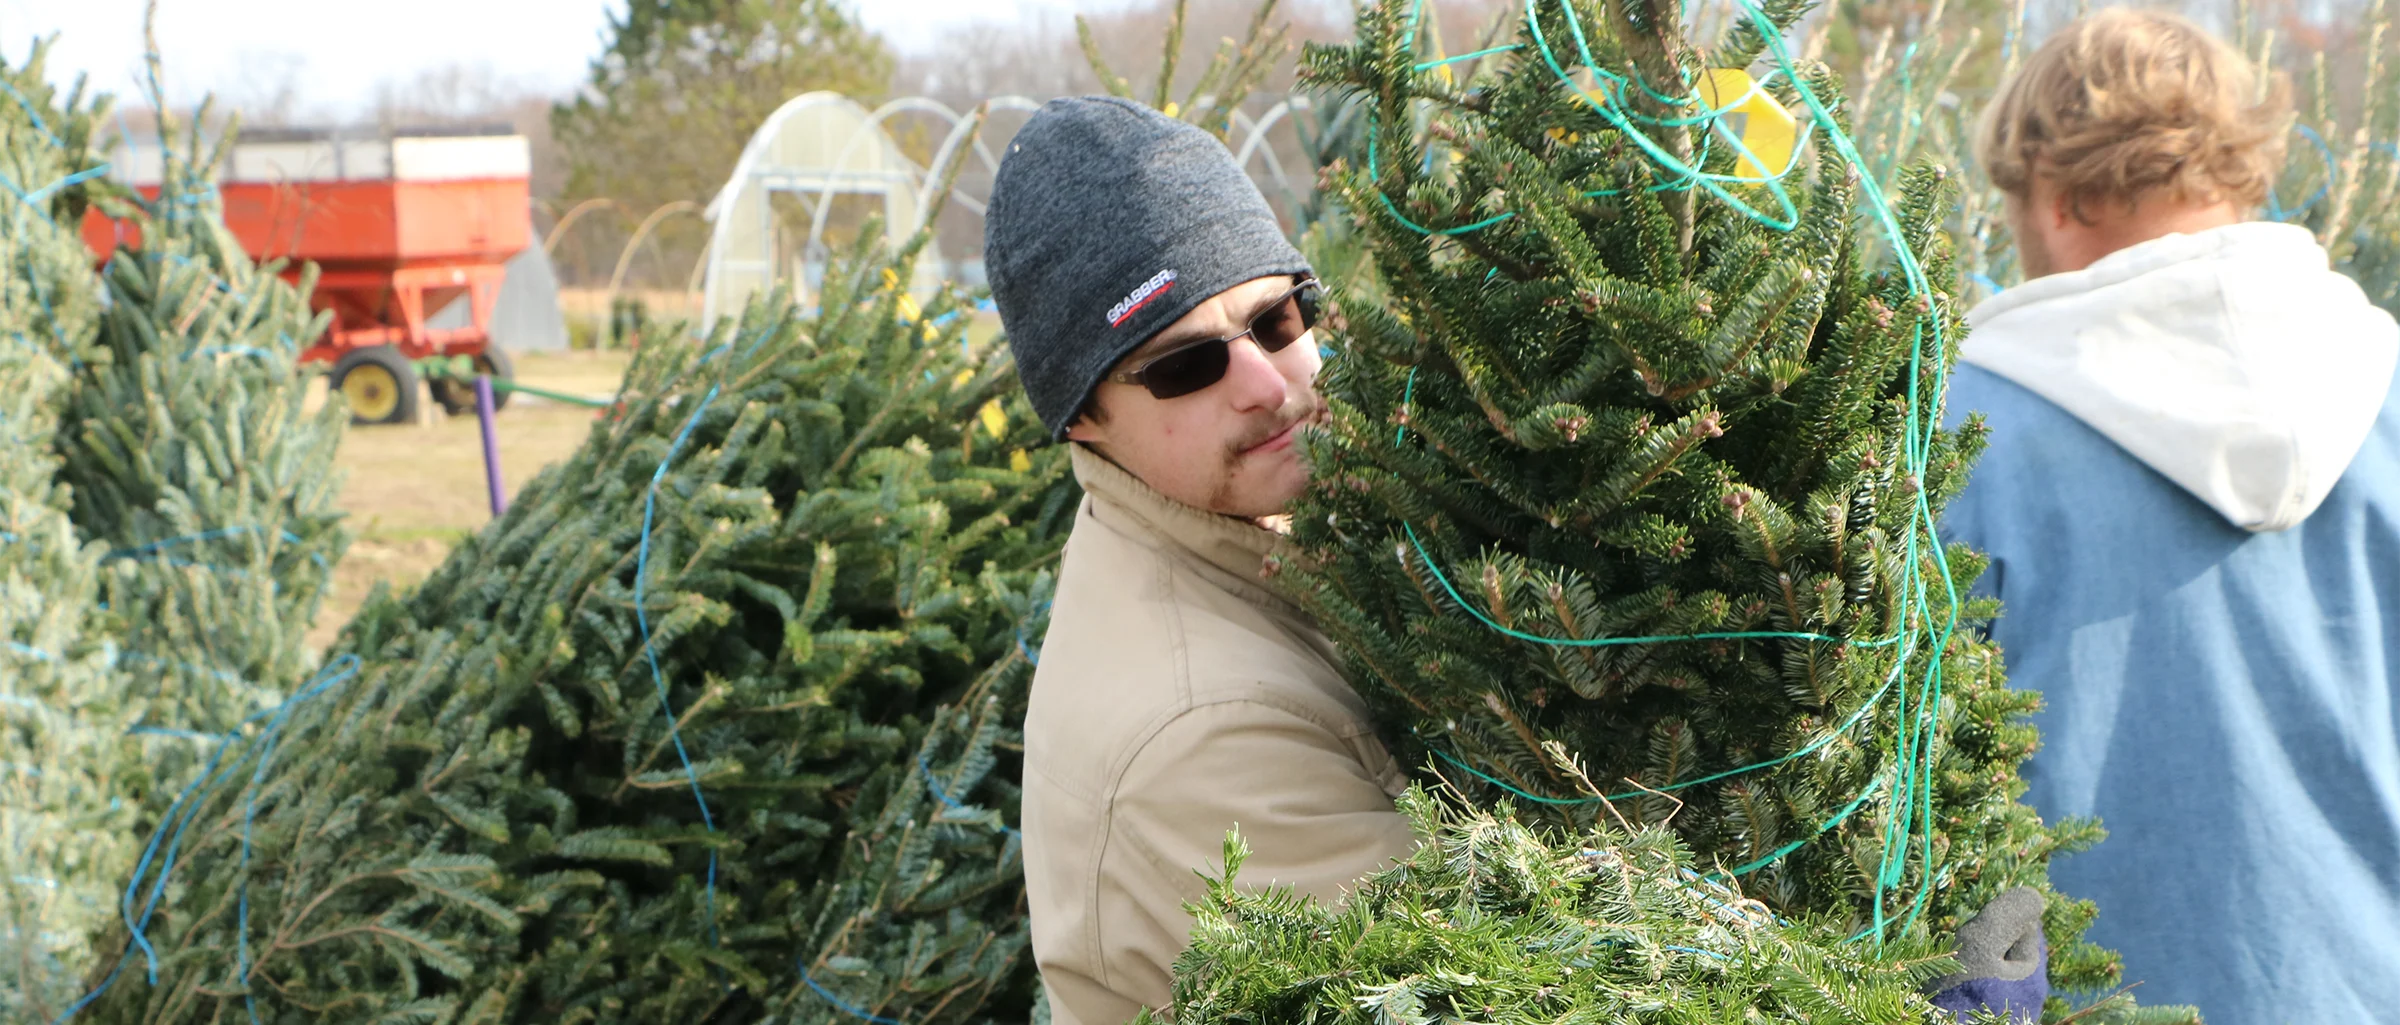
pixel 491 445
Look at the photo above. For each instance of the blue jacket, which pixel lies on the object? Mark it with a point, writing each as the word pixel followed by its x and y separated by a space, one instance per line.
pixel 2222 700
pixel 2192 504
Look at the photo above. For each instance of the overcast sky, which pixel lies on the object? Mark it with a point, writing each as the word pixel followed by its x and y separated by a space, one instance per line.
pixel 344 48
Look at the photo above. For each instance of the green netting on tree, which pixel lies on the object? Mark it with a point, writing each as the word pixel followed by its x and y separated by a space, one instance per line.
pixel 714 724
pixel 1636 454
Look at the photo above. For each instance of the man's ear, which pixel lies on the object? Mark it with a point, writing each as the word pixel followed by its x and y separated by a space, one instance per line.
pixel 1087 431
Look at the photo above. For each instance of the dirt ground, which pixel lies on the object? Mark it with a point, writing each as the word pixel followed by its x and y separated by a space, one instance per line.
pixel 413 490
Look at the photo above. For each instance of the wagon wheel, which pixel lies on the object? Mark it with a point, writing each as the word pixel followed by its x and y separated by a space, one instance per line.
pixel 457 393
pixel 380 385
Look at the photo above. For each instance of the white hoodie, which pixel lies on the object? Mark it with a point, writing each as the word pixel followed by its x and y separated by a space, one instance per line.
pixel 2235 362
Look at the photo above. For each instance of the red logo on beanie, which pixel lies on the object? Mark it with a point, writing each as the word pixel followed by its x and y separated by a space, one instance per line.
pixel 1151 289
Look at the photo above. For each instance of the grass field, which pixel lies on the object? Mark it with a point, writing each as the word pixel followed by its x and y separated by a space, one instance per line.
pixel 412 491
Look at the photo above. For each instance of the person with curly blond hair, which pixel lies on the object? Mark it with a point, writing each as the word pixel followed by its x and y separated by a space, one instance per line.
pixel 2191 501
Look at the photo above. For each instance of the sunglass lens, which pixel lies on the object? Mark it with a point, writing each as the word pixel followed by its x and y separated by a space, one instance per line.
pixel 1283 323
pixel 1186 371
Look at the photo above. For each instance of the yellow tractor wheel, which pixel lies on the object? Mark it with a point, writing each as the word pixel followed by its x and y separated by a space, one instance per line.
pixel 379 385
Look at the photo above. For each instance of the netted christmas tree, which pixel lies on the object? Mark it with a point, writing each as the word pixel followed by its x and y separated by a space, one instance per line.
pixel 714 724
pixel 191 457
pixel 1636 451
pixel 66 836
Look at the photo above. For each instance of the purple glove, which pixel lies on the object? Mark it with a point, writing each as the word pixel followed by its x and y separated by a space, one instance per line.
pixel 2004 961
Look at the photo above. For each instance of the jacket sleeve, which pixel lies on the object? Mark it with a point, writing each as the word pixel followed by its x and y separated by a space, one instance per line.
pixel 1315 816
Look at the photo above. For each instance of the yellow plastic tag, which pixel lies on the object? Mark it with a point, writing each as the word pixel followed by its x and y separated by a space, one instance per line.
pixel 995 419
pixel 908 304
pixel 1019 461
pixel 1765 128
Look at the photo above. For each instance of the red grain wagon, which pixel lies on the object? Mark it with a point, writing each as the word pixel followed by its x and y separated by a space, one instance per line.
pixel 400 223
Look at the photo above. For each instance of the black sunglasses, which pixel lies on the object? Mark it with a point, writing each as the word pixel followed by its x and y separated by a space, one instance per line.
pixel 1193 366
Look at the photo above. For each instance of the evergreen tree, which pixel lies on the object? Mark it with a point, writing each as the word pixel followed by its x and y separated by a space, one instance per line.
pixel 900 933
pixel 65 837
pixel 1638 456
pixel 714 724
pixel 191 458
pixel 1619 926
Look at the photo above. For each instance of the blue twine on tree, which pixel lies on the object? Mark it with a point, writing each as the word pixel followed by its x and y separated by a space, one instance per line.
pixel 1032 657
pixel 185 810
pixel 266 758
pixel 2275 210
pixel 933 785
pixel 232 350
pixel 641 615
pixel 32 200
pixel 162 731
pixel 78 178
pixel 219 674
pixel 641 618
pixel 205 535
pixel 30 111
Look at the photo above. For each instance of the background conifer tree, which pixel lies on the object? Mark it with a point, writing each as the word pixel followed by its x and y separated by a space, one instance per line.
pixel 191 458
pixel 1639 458
pixel 714 724
pixel 65 834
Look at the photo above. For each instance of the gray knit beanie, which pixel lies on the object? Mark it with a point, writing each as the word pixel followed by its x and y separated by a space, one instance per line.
pixel 1108 222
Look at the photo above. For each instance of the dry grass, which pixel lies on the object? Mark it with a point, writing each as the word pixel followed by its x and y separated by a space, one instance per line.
pixel 591 304
pixel 412 491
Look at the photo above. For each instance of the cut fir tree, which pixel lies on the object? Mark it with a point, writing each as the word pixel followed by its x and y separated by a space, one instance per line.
pixel 190 455
pixel 713 725
pixel 1493 921
pixel 66 835
pixel 1640 456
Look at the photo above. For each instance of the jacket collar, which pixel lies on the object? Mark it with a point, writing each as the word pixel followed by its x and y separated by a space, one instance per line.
pixel 1237 546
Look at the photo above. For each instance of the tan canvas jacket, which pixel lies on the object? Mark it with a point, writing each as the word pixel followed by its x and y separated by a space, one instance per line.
pixel 1178 698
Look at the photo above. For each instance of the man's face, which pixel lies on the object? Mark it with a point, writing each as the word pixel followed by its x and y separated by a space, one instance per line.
pixel 1227 448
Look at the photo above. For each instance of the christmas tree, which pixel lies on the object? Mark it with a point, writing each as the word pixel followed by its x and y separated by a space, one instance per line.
pixel 65 834
pixel 1621 925
pixel 190 455
pixel 714 724
pixel 1637 454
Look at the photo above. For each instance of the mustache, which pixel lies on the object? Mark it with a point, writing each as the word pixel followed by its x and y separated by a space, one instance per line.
pixel 1306 409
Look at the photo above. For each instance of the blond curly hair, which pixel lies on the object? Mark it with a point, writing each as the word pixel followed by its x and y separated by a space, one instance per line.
pixel 2127 104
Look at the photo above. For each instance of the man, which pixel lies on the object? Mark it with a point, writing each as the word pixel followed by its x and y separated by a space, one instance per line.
pixel 2192 504
pixel 1161 321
